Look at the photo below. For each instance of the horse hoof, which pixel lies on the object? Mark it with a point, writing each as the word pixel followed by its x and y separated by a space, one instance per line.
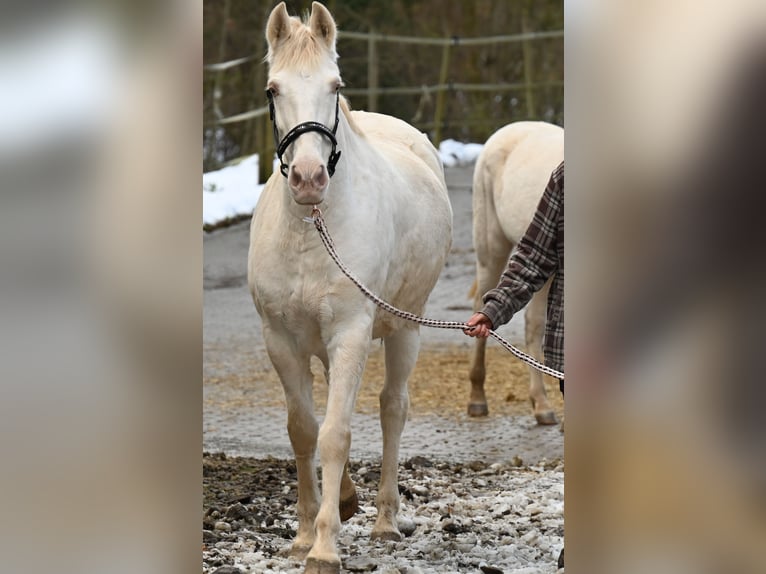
pixel 314 566
pixel 348 507
pixel 477 410
pixel 299 551
pixel 387 535
pixel 546 418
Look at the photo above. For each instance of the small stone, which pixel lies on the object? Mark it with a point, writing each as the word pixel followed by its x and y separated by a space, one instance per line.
pixel 517 461
pixel 228 570
pixel 406 526
pixel 360 564
pixel 490 569
pixel 419 490
pixel 420 461
pixel 502 510
pixel 223 526
pixel 530 537
pixel 235 511
pixel 465 543
pixel 452 526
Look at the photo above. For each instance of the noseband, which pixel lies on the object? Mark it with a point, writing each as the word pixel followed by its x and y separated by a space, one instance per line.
pixel 301 129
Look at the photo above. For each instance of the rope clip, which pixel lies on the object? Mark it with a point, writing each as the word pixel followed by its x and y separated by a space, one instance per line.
pixel 315 212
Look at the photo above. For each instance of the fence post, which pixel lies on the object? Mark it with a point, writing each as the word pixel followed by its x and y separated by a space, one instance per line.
pixel 528 79
pixel 372 73
pixel 263 135
pixel 439 108
pixel 218 83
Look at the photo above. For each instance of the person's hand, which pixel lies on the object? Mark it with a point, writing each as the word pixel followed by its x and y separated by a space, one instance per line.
pixel 478 326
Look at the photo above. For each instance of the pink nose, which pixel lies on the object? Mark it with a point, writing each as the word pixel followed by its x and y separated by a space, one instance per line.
pixel 308 179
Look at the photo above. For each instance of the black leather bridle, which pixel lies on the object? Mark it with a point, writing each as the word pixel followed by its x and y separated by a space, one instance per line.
pixel 301 129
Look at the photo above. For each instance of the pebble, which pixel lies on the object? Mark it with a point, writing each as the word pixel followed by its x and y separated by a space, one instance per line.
pixel 360 564
pixel 406 526
pixel 222 526
pixel 235 511
pixel 419 490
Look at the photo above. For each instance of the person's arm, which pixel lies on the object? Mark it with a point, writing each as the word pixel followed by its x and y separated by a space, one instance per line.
pixel 532 262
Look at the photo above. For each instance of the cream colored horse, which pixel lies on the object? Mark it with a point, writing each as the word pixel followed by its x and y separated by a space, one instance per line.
pixel 387 208
pixel 510 176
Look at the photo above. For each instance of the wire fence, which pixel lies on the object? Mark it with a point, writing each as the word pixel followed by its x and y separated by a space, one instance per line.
pixel 441 107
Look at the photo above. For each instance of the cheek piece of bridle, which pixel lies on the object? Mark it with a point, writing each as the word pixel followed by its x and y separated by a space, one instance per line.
pixel 301 129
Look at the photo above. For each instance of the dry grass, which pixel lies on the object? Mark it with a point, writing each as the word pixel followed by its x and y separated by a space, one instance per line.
pixel 439 385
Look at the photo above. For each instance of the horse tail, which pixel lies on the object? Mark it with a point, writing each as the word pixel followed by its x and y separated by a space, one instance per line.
pixel 483 210
pixel 474 288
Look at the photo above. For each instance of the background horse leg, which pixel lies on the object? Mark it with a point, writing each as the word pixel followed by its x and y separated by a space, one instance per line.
pixel 487 277
pixel 295 373
pixel 534 330
pixel 477 404
pixel 401 350
pixel 347 356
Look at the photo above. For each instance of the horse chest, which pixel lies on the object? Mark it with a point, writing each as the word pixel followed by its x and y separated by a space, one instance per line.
pixel 294 288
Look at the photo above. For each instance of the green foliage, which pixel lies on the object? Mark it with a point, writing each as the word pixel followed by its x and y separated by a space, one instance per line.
pixel 469 116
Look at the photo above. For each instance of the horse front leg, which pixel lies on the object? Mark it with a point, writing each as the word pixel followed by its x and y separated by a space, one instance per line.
pixel 347 357
pixel 401 350
pixel 293 368
pixel 349 502
pixel 534 330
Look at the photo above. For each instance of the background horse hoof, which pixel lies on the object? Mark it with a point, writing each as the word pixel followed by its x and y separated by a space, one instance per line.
pixel 546 418
pixel 477 410
pixel 388 535
pixel 348 507
pixel 314 566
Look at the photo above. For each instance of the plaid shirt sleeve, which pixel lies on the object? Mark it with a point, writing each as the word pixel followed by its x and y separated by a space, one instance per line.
pixel 533 261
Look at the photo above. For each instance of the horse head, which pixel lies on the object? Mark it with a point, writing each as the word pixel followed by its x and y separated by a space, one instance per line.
pixel 303 91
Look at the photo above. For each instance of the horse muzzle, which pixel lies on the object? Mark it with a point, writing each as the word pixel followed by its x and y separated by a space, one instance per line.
pixel 308 182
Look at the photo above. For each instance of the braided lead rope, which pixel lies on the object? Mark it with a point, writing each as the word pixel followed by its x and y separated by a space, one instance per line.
pixel 318 221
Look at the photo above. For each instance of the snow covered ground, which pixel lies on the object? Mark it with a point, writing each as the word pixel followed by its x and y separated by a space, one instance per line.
pixel 234 190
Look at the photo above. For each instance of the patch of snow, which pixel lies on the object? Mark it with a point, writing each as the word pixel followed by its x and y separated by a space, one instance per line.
pixel 454 153
pixel 231 191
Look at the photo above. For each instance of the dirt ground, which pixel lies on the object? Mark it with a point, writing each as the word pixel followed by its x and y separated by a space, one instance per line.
pixel 475 517
pixel 243 402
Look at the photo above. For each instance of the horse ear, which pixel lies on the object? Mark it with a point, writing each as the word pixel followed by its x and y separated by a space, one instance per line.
pixel 278 26
pixel 322 24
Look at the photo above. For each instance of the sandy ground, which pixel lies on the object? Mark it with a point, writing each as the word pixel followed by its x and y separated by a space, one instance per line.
pixel 244 411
